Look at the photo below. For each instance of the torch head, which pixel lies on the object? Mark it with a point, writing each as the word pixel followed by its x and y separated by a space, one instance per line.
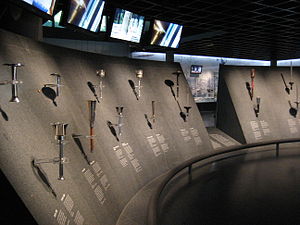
pixel 119 109
pixel 92 110
pixel 15 99
pixel 139 73
pixel 60 130
pixel 252 73
pixel 100 73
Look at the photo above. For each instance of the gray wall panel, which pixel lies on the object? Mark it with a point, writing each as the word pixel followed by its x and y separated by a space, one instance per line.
pixel 274 120
pixel 28 133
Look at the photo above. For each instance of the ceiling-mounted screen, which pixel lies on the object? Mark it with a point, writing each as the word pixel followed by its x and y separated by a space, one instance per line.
pixel 196 69
pixel 103 26
pixel 46 6
pixel 166 34
pixel 57 18
pixel 86 14
pixel 127 26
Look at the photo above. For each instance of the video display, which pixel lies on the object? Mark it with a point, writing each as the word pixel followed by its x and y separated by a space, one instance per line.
pixel 57 18
pixel 196 69
pixel 46 6
pixel 166 34
pixel 127 26
pixel 103 26
pixel 86 14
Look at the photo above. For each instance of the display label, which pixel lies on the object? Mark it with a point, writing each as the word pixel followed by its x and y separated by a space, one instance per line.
pixel 78 220
pixel 163 144
pixel 69 204
pixel 126 154
pixel 255 129
pixel 61 217
pixel 265 128
pixel 98 181
pixel 185 134
pixel 215 144
pixel 196 136
pixel 222 140
pixel 66 215
pixel 120 156
pixel 292 126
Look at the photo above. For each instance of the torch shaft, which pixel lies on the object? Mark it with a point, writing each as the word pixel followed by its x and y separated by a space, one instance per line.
pixel 61 159
pixel 14 86
pixel 153 111
pixel 92 139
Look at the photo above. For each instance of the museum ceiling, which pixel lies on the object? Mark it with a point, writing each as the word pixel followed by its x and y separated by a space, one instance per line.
pixel 257 29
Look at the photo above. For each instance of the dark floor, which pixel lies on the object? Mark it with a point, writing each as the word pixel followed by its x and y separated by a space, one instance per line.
pixel 256 189
pixel 13 210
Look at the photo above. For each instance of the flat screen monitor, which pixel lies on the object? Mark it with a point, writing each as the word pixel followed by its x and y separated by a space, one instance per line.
pixel 166 34
pixel 46 6
pixel 57 18
pixel 103 26
pixel 196 69
pixel 127 26
pixel 86 14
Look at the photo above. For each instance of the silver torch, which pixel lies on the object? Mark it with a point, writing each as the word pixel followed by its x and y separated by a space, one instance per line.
pixel 14 82
pixel 101 74
pixel 58 82
pixel 257 105
pixel 120 119
pixel 60 134
pixel 139 74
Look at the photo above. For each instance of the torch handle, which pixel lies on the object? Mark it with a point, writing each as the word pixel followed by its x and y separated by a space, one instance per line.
pixel 153 111
pixel 61 159
pixel 91 139
pixel 252 87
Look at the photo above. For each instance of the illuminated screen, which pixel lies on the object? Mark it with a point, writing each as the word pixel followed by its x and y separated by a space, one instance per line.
pixel 166 34
pixel 57 18
pixel 46 6
pixel 196 69
pixel 103 25
pixel 86 14
pixel 127 26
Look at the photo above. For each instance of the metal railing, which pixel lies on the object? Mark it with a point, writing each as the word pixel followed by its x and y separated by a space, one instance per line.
pixel 153 207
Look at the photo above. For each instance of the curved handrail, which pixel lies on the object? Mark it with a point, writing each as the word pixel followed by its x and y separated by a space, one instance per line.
pixel 154 201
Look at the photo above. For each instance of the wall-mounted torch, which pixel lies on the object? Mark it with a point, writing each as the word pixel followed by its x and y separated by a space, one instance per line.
pixel 120 119
pixel 187 110
pixel 60 134
pixel 252 82
pixel 101 74
pixel 139 74
pixel 51 93
pixel 297 97
pixel 92 116
pixel 153 112
pixel 291 76
pixel 177 73
pixel 14 81
pixel 58 83
pixel 256 109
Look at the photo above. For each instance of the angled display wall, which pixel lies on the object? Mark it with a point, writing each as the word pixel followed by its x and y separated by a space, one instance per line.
pixel 98 184
pixel 275 89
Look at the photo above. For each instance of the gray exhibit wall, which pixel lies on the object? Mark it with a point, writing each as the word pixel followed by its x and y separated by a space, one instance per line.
pixel 96 193
pixel 277 118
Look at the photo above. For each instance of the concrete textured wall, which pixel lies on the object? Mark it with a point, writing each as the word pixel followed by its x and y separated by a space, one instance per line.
pixel 275 119
pixel 90 194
